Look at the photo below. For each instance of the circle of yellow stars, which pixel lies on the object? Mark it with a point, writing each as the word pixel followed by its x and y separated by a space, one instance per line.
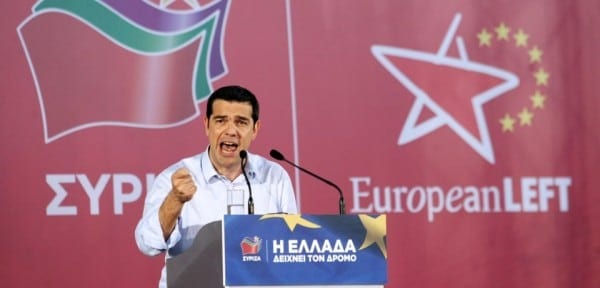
pixel 503 33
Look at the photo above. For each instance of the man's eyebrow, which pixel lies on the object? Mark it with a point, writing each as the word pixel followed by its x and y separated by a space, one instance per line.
pixel 236 117
pixel 242 117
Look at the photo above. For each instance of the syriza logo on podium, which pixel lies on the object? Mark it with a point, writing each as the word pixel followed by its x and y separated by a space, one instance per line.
pixel 122 63
pixel 250 247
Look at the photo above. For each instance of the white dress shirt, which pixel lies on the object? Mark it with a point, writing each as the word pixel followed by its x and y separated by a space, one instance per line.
pixel 215 196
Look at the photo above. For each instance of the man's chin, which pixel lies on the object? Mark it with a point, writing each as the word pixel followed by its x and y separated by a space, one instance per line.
pixel 228 158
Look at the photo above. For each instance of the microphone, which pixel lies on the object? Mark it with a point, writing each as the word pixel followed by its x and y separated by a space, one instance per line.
pixel 244 156
pixel 278 156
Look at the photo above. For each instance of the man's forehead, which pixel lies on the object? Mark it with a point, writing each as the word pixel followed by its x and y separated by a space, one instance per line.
pixel 225 115
pixel 222 108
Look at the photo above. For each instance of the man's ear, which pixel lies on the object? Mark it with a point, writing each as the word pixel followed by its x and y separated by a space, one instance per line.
pixel 255 129
pixel 206 123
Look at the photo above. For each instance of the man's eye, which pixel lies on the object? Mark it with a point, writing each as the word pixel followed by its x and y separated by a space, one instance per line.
pixel 243 123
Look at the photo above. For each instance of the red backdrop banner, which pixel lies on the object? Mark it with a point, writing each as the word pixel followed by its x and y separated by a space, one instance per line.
pixel 472 125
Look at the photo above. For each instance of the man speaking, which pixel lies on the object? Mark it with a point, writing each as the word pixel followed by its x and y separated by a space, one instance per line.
pixel 201 189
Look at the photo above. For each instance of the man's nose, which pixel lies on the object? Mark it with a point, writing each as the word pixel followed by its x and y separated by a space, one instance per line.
pixel 231 129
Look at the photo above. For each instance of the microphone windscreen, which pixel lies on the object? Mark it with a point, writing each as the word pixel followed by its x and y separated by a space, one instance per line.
pixel 275 154
pixel 243 154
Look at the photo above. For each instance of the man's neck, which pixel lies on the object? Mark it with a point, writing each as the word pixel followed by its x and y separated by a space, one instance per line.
pixel 230 173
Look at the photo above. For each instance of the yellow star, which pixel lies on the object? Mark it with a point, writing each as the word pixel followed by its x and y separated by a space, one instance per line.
pixel 525 117
pixel 508 123
pixel 538 100
pixel 502 32
pixel 541 77
pixel 376 232
pixel 292 220
pixel 521 38
pixel 484 38
pixel 535 55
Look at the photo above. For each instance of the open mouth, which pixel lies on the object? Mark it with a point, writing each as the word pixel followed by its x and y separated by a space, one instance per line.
pixel 229 147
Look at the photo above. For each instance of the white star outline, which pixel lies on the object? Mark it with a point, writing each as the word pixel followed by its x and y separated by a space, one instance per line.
pixel 413 131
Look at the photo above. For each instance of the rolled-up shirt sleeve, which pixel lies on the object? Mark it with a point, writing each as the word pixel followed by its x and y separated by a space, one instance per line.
pixel 148 232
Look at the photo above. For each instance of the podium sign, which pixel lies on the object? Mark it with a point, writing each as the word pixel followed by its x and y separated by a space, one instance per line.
pixel 307 250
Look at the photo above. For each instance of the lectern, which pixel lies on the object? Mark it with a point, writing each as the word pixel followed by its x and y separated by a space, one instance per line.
pixel 285 250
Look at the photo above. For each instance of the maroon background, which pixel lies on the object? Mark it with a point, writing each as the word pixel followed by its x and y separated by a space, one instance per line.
pixel 350 112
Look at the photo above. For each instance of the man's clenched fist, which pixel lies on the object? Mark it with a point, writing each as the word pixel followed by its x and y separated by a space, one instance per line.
pixel 183 185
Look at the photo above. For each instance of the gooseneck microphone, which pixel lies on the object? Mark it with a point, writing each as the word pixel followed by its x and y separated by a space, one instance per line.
pixel 244 156
pixel 278 156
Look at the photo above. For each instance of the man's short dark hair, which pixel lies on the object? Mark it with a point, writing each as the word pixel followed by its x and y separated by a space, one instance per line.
pixel 233 93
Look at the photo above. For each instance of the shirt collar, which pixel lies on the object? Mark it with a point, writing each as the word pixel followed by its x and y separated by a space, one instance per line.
pixel 208 170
